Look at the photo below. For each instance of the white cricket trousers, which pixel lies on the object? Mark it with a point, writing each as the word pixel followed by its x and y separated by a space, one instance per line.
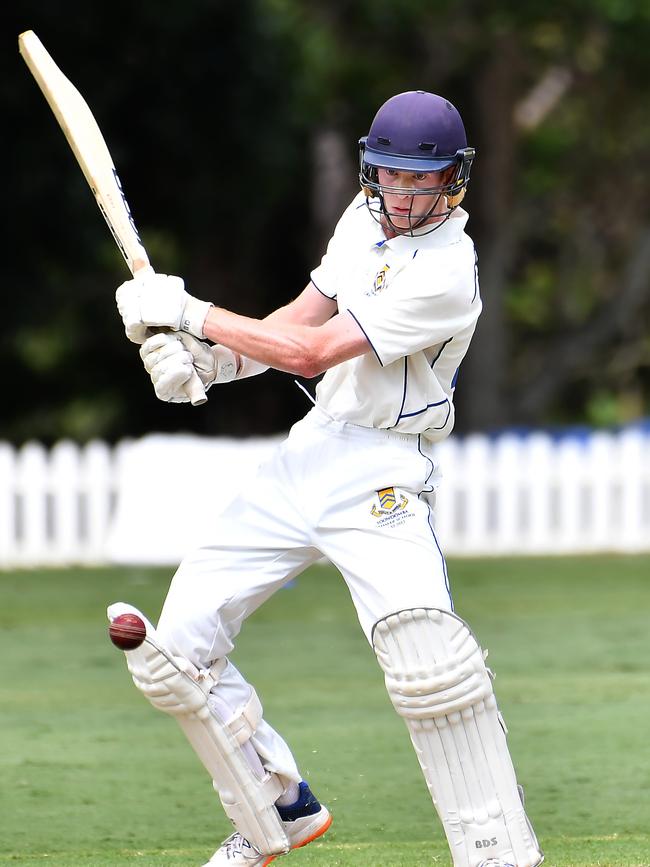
pixel 359 496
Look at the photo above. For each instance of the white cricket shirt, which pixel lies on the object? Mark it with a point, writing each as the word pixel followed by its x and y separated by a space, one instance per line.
pixel 417 301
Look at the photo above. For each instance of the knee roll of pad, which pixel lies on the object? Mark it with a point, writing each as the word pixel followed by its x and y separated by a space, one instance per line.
pixel 438 682
pixel 428 673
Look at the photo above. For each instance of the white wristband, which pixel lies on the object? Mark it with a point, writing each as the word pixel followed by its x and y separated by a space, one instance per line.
pixel 225 364
pixel 194 316
pixel 248 367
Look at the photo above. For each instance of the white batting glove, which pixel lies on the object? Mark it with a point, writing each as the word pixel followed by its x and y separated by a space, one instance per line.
pixel 214 364
pixel 170 358
pixel 159 301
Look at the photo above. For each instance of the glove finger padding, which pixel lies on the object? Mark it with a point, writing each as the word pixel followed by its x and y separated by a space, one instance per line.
pixel 161 300
pixel 127 297
pixel 138 333
pixel 159 347
pixel 169 377
pixel 170 366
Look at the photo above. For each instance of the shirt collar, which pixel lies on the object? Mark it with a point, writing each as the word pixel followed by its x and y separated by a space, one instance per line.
pixel 449 232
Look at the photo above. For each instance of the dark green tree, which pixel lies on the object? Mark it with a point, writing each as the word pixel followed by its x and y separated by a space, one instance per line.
pixel 234 129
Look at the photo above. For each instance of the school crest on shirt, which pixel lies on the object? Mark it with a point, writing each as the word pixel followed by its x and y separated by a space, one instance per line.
pixel 392 508
pixel 381 280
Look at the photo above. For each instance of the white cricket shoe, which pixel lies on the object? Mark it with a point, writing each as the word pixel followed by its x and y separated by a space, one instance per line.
pixel 303 822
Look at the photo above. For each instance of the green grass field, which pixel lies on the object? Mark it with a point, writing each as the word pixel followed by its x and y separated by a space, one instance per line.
pixel 92 775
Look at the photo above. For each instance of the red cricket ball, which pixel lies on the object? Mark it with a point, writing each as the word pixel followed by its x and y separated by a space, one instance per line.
pixel 127 631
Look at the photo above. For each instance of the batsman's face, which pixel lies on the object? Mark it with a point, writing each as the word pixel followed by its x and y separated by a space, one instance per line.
pixel 407 198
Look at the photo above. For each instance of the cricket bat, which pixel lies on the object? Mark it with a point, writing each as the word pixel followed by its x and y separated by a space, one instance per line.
pixel 85 138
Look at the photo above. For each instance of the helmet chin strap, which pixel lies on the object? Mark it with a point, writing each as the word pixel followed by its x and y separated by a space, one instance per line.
pixel 455 200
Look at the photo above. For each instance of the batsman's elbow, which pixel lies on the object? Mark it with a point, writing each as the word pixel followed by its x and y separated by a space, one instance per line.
pixel 326 346
pixel 325 350
pixel 308 367
pixel 308 356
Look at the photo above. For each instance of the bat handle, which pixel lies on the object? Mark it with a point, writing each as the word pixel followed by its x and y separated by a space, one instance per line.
pixel 195 391
pixel 193 387
pixel 141 267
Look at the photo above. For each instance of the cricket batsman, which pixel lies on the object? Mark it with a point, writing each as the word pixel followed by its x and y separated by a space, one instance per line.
pixel 388 316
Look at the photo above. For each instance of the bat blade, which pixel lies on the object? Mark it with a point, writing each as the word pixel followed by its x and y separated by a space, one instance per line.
pixel 87 143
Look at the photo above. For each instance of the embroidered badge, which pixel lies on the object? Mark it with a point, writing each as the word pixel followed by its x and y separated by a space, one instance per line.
pixel 391 511
pixel 381 280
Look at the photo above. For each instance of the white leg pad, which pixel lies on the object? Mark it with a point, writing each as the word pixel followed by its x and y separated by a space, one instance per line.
pixel 437 680
pixel 175 686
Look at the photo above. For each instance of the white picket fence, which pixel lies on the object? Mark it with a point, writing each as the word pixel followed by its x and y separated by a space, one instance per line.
pixel 510 494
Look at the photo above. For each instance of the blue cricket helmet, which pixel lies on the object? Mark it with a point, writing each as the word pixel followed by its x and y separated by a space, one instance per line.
pixel 417 131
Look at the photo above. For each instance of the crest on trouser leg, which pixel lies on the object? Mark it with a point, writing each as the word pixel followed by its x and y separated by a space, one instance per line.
pixel 388 502
pixel 391 511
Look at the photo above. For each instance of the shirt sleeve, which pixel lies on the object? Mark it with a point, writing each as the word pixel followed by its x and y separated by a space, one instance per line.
pixel 326 277
pixel 420 309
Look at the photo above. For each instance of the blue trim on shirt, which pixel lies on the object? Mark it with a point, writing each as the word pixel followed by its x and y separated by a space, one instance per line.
pixel 475 276
pixel 399 415
pixel 366 336
pixel 440 351
pixel 435 538
pixel 331 297
pixel 429 406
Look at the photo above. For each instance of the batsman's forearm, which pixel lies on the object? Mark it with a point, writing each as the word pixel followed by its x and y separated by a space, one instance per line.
pixel 284 346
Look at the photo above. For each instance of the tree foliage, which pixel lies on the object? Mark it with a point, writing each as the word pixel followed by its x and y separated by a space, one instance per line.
pixel 234 129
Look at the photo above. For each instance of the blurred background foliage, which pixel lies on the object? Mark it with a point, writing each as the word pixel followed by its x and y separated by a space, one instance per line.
pixel 234 128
